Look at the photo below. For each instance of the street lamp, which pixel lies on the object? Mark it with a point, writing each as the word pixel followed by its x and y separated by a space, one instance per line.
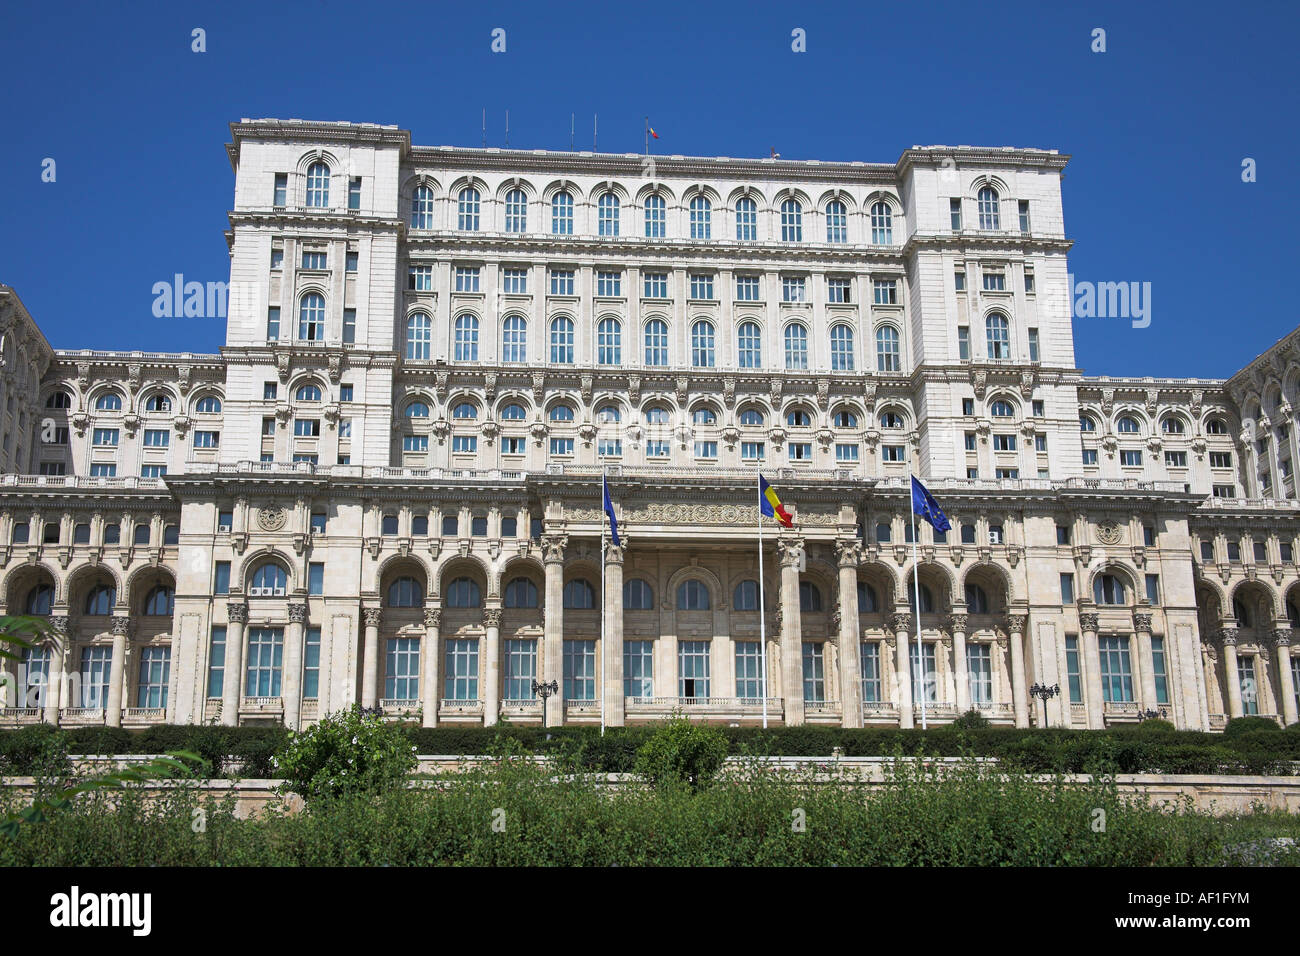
pixel 1044 693
pixel 545 690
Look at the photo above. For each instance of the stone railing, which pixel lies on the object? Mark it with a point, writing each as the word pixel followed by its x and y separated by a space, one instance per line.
pixel 144 714
pixel 79 481
pixel 449 705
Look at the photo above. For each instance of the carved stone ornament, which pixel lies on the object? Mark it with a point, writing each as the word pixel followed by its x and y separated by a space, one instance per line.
pixel 335 368
pixel 1282 636
pixel 1088 622
pixel 849 553
pixel 297 613
pixel 729 392
pixel 958 623
pixel 979 381
pixel 121 625
pixel 1141 621
pixel 901 622
pixel 271 518
pixel 372 616
pixel 492 617
pixel 1016 623
pixel 1109 533
pixel 432 616
pixel 237 613
pixel 282 365
pixel 1228 635
pixel 553 548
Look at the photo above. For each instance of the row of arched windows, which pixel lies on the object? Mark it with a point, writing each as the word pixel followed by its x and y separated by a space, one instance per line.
pixel 609 342
pixel 1130 424
pixel 155 404
pixel 159 602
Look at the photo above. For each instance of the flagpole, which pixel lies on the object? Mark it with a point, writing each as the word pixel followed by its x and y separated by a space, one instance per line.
pixel 762 614
pixel 916 582
pixel 604 600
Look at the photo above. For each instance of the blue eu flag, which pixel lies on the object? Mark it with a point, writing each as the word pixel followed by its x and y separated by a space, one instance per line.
pixel 923 504
pixel 609 510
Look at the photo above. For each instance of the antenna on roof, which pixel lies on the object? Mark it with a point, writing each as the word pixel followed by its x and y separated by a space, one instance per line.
pixel 507 129
pixel 485 127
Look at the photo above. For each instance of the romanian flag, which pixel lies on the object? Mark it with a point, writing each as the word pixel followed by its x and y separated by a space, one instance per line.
pixel 770 505
pixel 652 132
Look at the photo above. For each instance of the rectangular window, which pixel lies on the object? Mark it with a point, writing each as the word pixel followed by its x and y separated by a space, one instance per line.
pixel 1220 459
pixel 579 670
pixel 311 665
pixel 345 428
pixel 837 291
pixel 316 578
pixel 1153 588
pixel 1067 588
pixel 273 323
pixel 979 670
pixel 157 438
pixel 891 453
pixel 1040 443
pixel 963 342
pixel 846 453
pixel 1004 442
pixel 1038 408
pixel 1158 669
pixel 752 451
pixel 302 428
pixel 53 468
pixel 1225 491
pixel 657 448
pixel 959 280
pixel 221 578
pixel 1074 678
pixel 419 279
pixel 747 288
pixel 354 192
pixel 656 285
pixel 701 286
pixel 638 668
pixel 349 326
pixel 800 451
pixel 562 446
pixel 1116 672
pixel 1249 688
pixel 350 261
pixel 995 280
pixel 155 673
pixel 1033 345
pixel 519 669
pixel 706 449
pixel 269 391
pixel 153 471
pixel 314 259
pixel 281 189
pixel 467 278
pixel 209 439
pixel 1090 456
pixel 968 406
pixel 1285 548
pixel 923 672
pixel 1175 459
pixel 1131 458
pixel 415 443
pixel 749 671
pixel 513 446
pixel 609 447
pixel 1006 472
pixel 265 662
pixel 954 214
pixel 562 281
pixel 814 672
pixel 514 281
pixel 1024 215
pixel 216 661
pixel 104 436
pixel 970 441
pixel 402 669
pixel 1234 551
pixel 460 444
pixel 885 291
pixel 794 289
pixel 102 470
pixel 1029 281
pixel 461 682
pixel 609 284
pixel 693 669
pixel 869 661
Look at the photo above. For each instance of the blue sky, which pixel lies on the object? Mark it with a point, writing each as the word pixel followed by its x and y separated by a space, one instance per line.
pixel 1158 126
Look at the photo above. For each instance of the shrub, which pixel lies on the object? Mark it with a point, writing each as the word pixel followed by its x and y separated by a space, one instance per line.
pixel 1154 725
pixel 681 753
pixel 971 720
pixel 38 750
pixel 346 753
pixel 1245 725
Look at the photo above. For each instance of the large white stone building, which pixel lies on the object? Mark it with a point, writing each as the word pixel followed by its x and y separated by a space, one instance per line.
pixel 386 488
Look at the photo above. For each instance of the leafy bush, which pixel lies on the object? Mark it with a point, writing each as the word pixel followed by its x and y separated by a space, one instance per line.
pixel 971 720
pixel 40 749
pixel 344 753
pixel 681 752
pixel 1154 725
pixel 1246 725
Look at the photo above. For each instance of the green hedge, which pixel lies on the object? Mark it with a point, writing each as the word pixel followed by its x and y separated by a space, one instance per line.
pixel 1129 749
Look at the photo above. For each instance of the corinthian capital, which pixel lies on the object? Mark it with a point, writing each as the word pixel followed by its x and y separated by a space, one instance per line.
pixel 790 550
pixel 432 616
pixel 1088 622
pixel 849 553
pixel 553 548
pixel 1016 623
pixel 297 613
pixel 372 616
pixel 1142 621
pixel 901 621
pixel 958 623
pixel 492 617
pixel 237 613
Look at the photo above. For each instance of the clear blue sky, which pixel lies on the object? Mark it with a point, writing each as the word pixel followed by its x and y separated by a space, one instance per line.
pixel 1158 127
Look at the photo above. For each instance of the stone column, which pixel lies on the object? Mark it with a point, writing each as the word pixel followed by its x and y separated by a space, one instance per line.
pixel 902 623
pixel 1146 660
pixel 1286 682
pixel 791 553
pixel 491 665
pixel 1233 676
pixel 613 649
pixel 1019 690
pixel 553 626
pixel 372 618
pixel 958 623
pixel 52 693
pixel 1092 672
pixel 116 669
pixel 232 679
pixel 291 684
pixel 850 641
pixel 430 679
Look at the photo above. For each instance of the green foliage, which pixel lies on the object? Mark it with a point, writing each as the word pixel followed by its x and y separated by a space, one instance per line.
pixel 1246 725
pixel 681 752
pixel 346 753
pixel 1155 725
pixel 971 720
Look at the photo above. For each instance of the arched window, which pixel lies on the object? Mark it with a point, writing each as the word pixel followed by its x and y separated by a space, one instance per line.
pixel 656 415
pixel 608 414
pixel 882 224
pixel 101 599
pixel 466 346
pixel 749 348
pixel 514 412
pixel 637 595
pixel 987 199
pixel 514 339
pixel 791 221
pixel 927 598
pixel 467 209
pixel 1087 423
pixel 841 348
pixel 1127 425
pixel 609 341
pixel 562 340
pixel 311 317
pixel 887 353
pixel 867 602
pixel 579 596
pixel 562 214
pixel 796 346
pixel 419 336
pixel 516 211
pixel 318 185
pixel 464 410
pixel 810 597
pixel 891 419
pixel 417 410
pixel 561 413
pixel 977 601
pixel 1108 589
pixel 655 216
pixel 1216 426
pixel 158 403
pixel 406 592
pixel 310 392
pixel 160 602
pixel 837 222
pixel 40 599
pixel 998 335
pixel 702 353
pixel 845 419
pixel 704 416
pixel 752 417
pixel 798 418
pixel 701 218
pixel 422 208
pixel 1002 409
pixel 656 342
pixel 746 220
pixel 521 592
pixel 1173 426
pixel 109 402
pixel 692 595
pixel 268 580
pixel 464 592
pixel 746 596
pixel 208 405
pixel 607 209
pixel 58 400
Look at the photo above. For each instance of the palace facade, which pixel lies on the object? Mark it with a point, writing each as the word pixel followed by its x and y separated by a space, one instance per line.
pixel 386 487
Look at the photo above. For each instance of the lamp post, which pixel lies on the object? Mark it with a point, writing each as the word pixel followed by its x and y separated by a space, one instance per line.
pixel 545 690
pixel 1044 693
